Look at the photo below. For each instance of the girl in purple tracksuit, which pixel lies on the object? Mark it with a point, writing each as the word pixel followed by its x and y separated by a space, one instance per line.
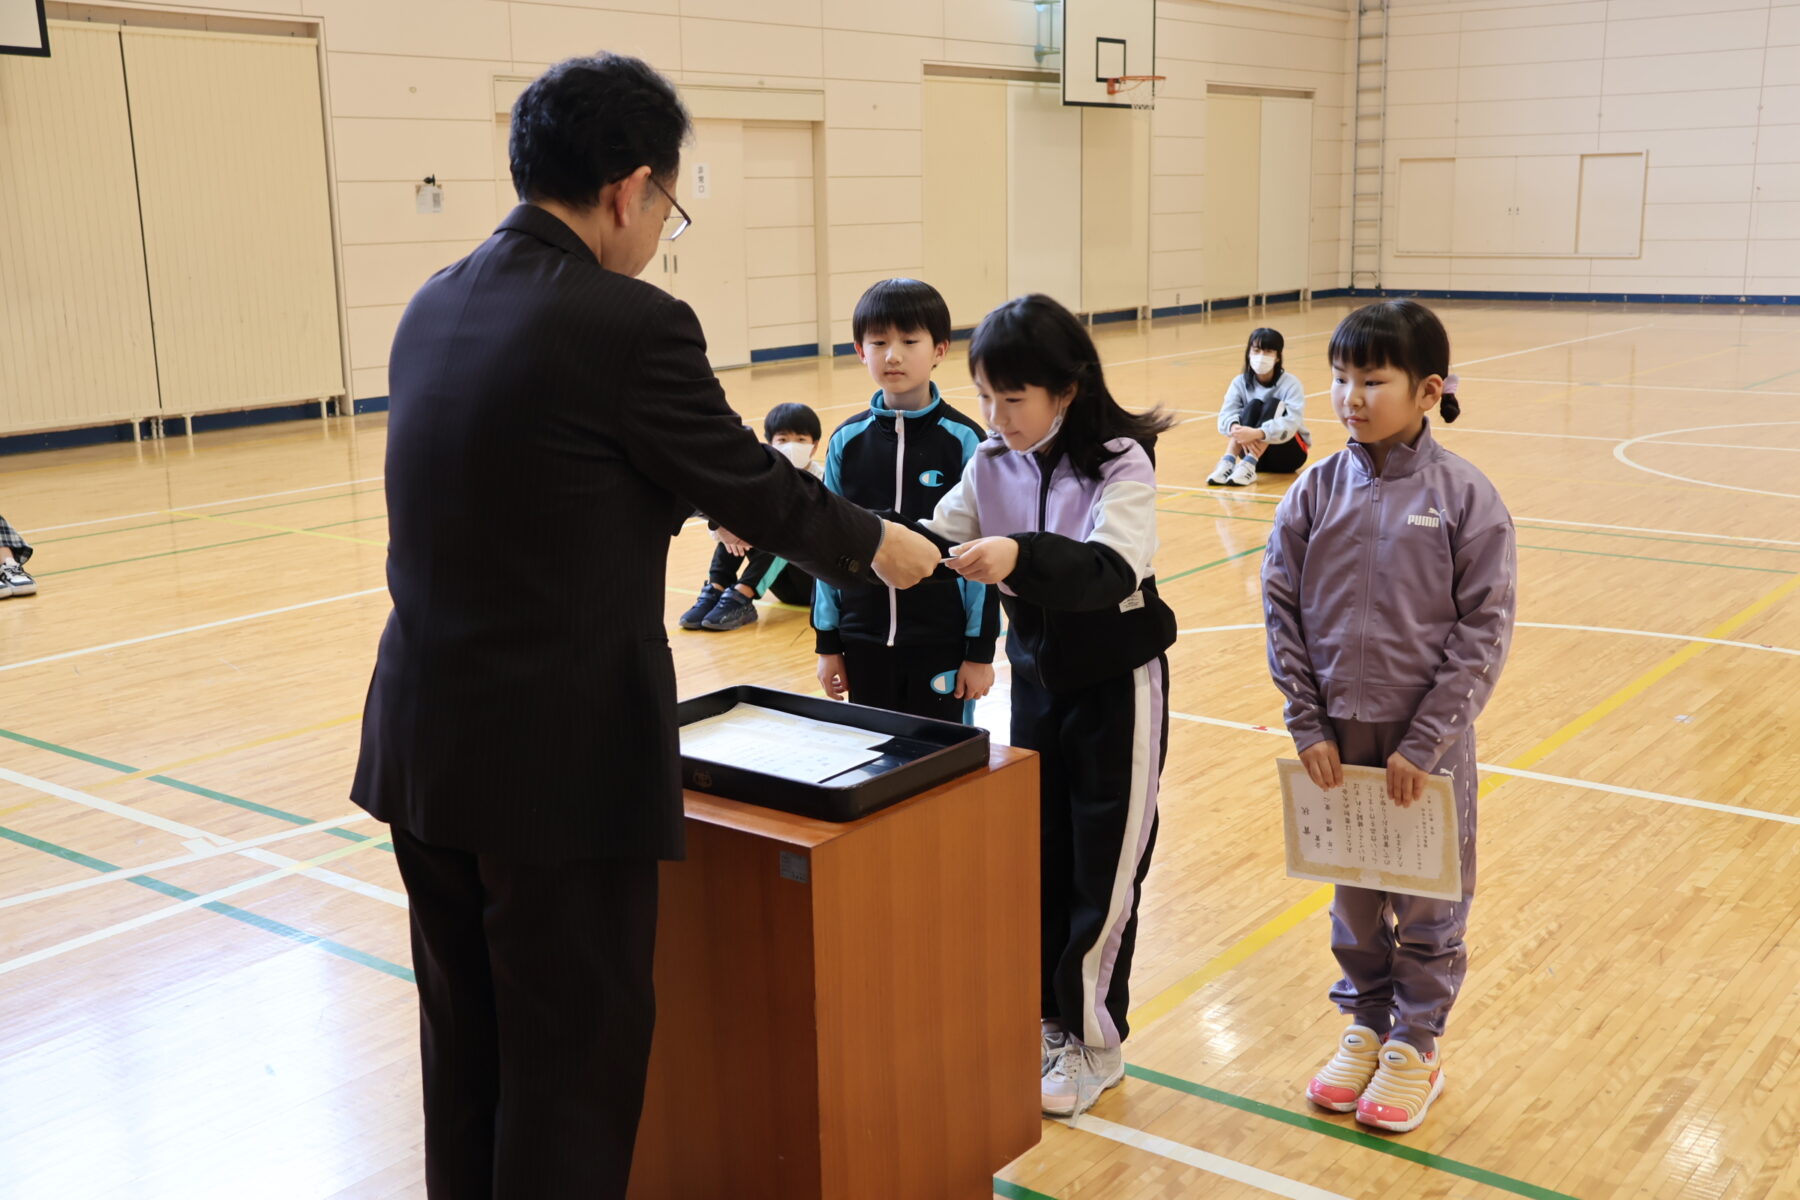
pixel 1058 507
pixel 1388 588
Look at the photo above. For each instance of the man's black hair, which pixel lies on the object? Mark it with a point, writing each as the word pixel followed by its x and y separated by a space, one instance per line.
pixel 792 418
pixel 589 122
pixel 904 306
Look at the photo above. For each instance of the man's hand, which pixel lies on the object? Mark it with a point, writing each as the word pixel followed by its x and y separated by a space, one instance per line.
pixel 731 541
pixel 1405 782
pixel 974 680
pixel 1323 766
pixel 905 557
pixel 985 560
pixel 832 677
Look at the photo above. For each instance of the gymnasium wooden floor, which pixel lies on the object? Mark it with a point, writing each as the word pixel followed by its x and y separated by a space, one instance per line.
pixel 204 954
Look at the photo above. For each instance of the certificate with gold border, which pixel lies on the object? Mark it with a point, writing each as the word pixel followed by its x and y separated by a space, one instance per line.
pixel 1355 835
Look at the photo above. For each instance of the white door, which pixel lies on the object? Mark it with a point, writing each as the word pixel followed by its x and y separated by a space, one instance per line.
pixel 1043 252
pixel 1546 190
pixel 965 195
pixel 706 264
pixel 1232 221
pixel 1482 219
pixel 1284 225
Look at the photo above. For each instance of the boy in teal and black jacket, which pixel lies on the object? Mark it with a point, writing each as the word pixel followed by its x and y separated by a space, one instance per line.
pixel 930 649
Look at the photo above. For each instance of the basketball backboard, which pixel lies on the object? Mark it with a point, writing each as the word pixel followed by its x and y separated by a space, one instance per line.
pixel 23 29
pixel 1107 39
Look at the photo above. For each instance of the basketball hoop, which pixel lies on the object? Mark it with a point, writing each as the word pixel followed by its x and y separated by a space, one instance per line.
pixel 1116 84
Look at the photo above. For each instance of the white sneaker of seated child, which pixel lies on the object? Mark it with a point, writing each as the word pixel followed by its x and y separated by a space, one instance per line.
pixel 1245 474
pixel 1222 473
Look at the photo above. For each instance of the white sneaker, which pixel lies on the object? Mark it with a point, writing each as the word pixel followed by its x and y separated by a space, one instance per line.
pixel 1055 1038
pixel 1078 1076
pixel 1222 473
pixel 1245 474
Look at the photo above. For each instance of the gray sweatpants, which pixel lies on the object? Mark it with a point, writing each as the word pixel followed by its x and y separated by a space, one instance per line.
pixel 1402 956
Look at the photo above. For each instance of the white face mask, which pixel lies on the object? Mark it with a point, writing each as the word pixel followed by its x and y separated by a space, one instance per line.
pixel 1055 426
pixel 798 453
pixel 1261 363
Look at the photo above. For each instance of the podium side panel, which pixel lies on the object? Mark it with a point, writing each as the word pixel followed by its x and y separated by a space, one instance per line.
pixel 732 1103
pixel 926 940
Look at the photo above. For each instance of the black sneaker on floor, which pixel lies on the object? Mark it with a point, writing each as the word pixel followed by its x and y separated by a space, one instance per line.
pixel 14 581
pixel 733 611
pixel 709 597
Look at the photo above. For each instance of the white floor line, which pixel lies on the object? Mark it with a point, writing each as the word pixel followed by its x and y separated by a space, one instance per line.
pixel 1221 494
pixel 1619 452
pixel 1641 387
pixel 177 909
pixel 1764 647
pixel 324 875
pixel 1551 346
pixel 158 512
pixel 151 820
pixel 199 855
pixel 1212 1164
pixel 1565 781
pixel 194 838
pixel 169 633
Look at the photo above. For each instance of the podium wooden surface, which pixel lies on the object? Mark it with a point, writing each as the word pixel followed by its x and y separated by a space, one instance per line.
pixel 848 1012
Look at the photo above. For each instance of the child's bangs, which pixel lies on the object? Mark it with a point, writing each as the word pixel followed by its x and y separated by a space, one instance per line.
pixel 1365 341
pixel 1006 358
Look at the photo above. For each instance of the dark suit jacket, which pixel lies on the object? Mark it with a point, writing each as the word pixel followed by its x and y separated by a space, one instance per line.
pixel 551 424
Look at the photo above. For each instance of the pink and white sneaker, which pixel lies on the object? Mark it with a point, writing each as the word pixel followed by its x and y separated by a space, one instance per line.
pixel 1400 1094
pixel 1340 1082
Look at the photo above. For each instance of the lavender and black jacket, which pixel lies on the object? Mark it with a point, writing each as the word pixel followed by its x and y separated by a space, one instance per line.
pixel 1390 598
pixel 1081 605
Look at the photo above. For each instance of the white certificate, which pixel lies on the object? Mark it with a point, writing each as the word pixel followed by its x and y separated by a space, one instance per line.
pixel 1355 835
pixel 778 743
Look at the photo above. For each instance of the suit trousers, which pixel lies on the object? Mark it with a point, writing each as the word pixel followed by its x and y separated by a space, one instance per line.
pixel 536 1007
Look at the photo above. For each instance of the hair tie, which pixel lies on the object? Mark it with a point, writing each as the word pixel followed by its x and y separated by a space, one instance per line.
pixel 1450 384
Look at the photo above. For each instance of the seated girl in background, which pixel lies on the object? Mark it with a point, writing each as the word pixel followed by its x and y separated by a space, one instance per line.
pixel 1264 416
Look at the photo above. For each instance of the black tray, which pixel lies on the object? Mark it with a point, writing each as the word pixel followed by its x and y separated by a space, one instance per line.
pixel 919 755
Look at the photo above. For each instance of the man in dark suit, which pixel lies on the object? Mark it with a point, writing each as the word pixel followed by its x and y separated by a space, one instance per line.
pixel 552 422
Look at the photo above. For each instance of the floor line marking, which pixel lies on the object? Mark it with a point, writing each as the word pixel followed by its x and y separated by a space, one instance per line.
pixel 169 633
pixel 1765 647
pixel 317 533
pixel 1648 387
pixel 1346 1133
pixel 1590 785
pixel 1550 346
pixel 228 751
pixel 1212 1164
pixel 1171 997
pixel 155 916
pixel 183 511
pixel 182 860
pixel 1568 732
pixel 1619 452
pixel 1258 498
pixel 151 820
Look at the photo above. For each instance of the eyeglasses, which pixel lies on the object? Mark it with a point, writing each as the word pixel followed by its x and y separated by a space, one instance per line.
pixel 678 216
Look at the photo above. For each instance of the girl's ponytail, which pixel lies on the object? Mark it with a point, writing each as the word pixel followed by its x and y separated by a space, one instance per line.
pixel 1448 406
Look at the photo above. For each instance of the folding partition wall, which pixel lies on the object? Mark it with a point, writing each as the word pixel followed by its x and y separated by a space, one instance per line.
pixel 165 228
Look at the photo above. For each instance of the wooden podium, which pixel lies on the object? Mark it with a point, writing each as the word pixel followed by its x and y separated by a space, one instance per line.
pixel 848 1012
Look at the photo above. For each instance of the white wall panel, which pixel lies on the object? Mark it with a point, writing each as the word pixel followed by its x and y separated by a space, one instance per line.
pixel 75 338
pixel 237 218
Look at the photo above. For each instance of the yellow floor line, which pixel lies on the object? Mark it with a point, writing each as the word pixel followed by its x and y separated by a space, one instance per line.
pixel 228 750
pixel 1166 1001
pixel 318 533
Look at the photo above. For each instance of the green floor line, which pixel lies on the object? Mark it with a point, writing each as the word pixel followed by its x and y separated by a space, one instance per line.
pixel 119 562
pixel 1368 1141
pixel 380 516
pixel 348 835
pixel 1217 562
pixel 1016 1191
pixel 242 915
pixel 184 520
